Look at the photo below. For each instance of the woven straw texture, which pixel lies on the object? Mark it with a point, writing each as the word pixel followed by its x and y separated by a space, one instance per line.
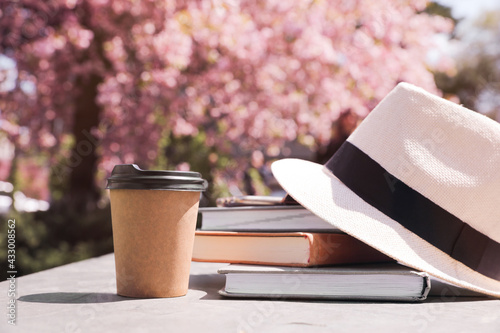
pixel 447 153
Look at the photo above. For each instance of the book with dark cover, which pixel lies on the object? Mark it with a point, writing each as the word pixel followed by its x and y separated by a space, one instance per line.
pixel 262 218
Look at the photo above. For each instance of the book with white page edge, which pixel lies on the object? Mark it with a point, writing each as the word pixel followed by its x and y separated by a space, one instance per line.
pixel 384 282
pixel 262 218
pixel 304 249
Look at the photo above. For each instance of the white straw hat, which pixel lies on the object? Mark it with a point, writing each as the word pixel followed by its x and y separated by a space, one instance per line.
pixel 419 180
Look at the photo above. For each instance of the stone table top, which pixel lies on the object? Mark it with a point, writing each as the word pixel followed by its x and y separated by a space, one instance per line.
pixel 81 297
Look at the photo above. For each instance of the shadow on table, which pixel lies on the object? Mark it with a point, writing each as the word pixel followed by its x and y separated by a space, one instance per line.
pixel 358 302
pixel 208 283
pixel 212 283
pixel 73 298
pixel 458 299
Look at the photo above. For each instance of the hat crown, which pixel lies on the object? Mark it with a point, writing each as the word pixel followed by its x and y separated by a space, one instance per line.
pixel 447 153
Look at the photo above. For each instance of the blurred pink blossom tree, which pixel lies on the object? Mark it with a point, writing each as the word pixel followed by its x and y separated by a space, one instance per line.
pixel 102 82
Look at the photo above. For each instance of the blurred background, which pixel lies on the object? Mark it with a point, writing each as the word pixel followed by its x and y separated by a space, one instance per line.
pixel 222 87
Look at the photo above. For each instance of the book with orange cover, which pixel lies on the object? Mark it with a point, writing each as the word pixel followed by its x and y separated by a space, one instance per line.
pixel 303 249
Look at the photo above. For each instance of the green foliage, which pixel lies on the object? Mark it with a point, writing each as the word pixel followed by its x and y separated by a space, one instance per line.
pixel 205 159
pixel 472 77
pixel 50 239
pixel 435 8
pixel 477 80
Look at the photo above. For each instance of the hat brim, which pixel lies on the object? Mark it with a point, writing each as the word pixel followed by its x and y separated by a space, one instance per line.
pixel 318 190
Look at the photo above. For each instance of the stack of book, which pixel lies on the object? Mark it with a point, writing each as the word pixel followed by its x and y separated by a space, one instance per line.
pixel 285 251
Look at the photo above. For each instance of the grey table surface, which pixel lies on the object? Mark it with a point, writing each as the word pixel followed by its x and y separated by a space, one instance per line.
pixel 81 297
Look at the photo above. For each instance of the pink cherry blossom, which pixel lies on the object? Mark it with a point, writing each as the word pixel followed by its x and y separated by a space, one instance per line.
pixel 247 74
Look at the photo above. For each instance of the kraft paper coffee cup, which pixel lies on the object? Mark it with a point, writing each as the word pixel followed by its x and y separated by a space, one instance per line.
pixel 153 215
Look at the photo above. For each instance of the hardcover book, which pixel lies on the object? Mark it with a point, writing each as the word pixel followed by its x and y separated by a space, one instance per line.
pixel 385 282
pixel 282 248
pixel 262 218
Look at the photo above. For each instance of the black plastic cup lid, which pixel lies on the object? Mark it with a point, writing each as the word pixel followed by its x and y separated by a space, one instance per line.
pixel 131 177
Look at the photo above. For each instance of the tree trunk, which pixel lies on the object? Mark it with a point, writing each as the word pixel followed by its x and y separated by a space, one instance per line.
pixel 82 193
